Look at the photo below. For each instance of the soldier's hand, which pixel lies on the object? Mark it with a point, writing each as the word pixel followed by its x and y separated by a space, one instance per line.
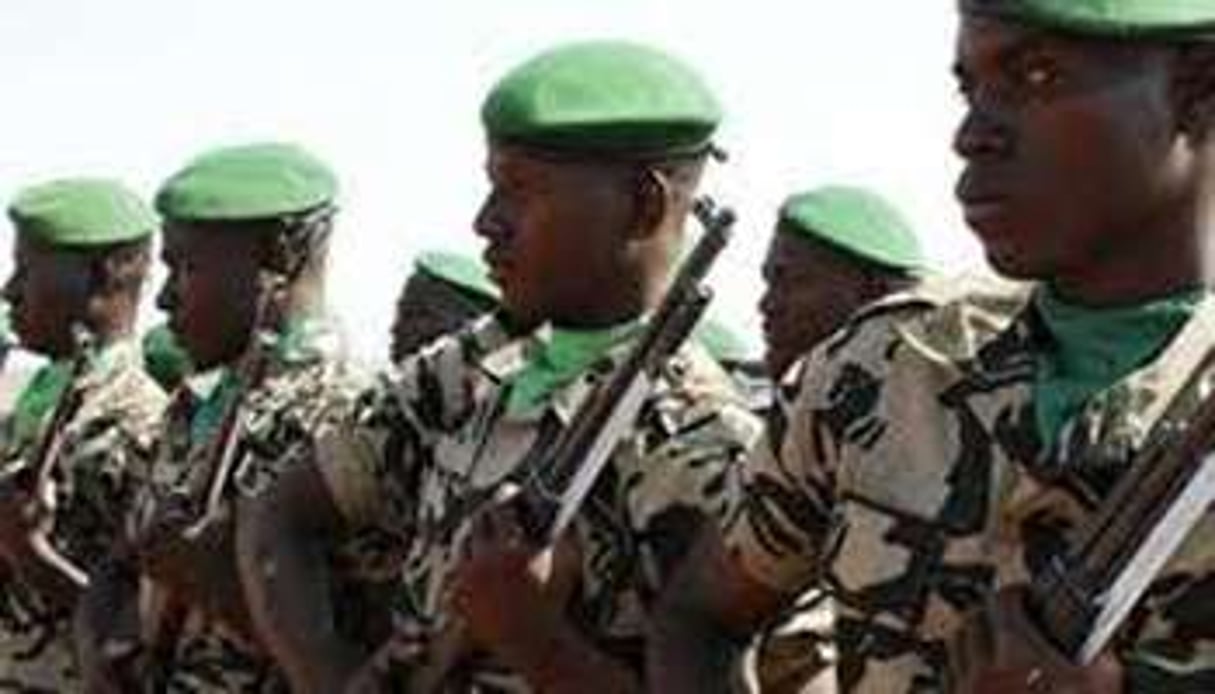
pixel 177 551
pixel 509 593
pixel 999 650
pixel 106 632
pixel 385 670
pixel 162 543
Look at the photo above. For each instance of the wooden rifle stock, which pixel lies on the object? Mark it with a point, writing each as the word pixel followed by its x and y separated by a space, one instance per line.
pixel 1087 593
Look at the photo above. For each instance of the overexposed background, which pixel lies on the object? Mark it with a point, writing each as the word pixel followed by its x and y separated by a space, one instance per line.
pixel 816 92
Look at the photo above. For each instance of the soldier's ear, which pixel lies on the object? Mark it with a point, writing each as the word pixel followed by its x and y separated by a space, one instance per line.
pixel 121 268
pixel 653 198
pixel 1193 88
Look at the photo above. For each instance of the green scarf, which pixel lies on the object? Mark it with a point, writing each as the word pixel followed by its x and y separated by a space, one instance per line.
pixel 1093 348
pixel 209 412
pixel 48 384
pixel 301 341
pixel 559 357
pixel 36 401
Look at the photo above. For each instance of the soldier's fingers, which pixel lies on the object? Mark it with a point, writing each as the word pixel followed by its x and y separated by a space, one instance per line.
pixel 1016 621
pixel 970 649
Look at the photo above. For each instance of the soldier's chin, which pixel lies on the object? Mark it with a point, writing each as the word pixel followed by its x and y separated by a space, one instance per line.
pixel 202 357
pixel 22 335
pixel 521 318
pixel 1013 265
pixel 775 362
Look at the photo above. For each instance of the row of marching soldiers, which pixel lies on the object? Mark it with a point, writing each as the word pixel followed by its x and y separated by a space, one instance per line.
pixel 285 521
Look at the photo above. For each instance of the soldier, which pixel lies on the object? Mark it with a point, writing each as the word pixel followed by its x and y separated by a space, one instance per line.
pixel 834 250
pixel 595 152
pixel 85 423
pixel 938 455
pixel 246 242
pixel 445 291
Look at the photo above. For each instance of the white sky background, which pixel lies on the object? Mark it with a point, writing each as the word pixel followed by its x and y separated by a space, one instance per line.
pixel 816 92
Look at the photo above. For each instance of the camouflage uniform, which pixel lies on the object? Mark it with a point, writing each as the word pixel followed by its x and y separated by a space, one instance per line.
pixel 306 388
pixel 911 477
pixel 436 433
pixel 795 654
pixel 106 440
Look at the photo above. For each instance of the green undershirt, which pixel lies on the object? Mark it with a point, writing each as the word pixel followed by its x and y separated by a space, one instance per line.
pixel 1093 348
pixel 297 343
pixel 41 394
pixel 558 359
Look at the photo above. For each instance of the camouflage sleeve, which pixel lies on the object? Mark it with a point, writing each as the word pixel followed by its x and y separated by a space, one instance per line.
pixel 781 518
pixel 681 473
pixel 101 468
pixel 354 459
pixel 1169 642
pixel 368 459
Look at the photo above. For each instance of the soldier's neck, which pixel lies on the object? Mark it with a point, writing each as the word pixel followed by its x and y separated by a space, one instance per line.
pixel 1167 258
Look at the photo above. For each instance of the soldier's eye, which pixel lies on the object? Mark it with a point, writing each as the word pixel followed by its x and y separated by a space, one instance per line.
pixel 1038 73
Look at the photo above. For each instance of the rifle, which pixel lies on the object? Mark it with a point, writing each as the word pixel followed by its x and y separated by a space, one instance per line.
pixel 163 612
pixel 1087 592
pixel 34 478
pixel 565 473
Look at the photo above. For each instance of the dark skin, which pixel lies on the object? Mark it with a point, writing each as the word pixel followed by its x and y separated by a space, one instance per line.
pixel 211 296
pixel 535 222
pixel 580 244
pixel 811 288
pixel 211 292
pixel 1072 149
pixel 1084 164
pixel 49 291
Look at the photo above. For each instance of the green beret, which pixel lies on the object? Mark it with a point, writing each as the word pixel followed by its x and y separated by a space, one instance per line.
pixel 722 343
pixel 250 182
pixel 464 272
pixel 603 97
pixel 1112 18
pixel 81 213
pixel 164 358
pixel 857 221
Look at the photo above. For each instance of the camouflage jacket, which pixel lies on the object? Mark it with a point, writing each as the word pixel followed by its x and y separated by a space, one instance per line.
pixel 436 433
pixel 303 391
pixel 911 476
pixel 796 651
pixel 105 441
